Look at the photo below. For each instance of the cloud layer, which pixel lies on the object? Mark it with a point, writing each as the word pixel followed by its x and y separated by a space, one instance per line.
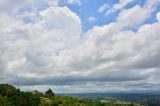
pixel 46 46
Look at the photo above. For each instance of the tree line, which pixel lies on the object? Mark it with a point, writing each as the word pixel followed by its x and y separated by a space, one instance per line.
pixel 11 96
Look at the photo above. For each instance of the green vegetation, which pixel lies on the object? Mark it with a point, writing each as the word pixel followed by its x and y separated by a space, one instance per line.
pixel 11 96
pixel 49 93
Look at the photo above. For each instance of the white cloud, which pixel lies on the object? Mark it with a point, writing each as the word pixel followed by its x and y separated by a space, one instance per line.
pixel 119 6
pixel 45 39
pixel 136 15
pixel 74 2
pixel 122 4
pixel 9 5
pixel 104 8
pixel 133 16
pixel 51 2
pixel 91 19
pixel 54 19
pixel 13 7
pixel 151 3
pixel 50 51
pixel 158 16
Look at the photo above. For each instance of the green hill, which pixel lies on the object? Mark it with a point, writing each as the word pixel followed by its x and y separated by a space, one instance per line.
pixel 10 96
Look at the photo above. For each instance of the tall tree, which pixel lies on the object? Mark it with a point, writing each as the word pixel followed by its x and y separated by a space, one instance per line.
pixel 49 93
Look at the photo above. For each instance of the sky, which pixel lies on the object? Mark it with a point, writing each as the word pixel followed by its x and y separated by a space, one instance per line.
pixel 79 46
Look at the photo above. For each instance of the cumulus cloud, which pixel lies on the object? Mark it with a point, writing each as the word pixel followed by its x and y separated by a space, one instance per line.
pixel 133 16
pixel 18 6
pixel 8 5
pixel 158 16
pixel 49 51
pixel 118 6
pixel 46 39
pixel 104 7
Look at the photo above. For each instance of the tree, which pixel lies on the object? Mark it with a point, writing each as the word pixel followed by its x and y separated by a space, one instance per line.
pixel 8 90
pixel 25 99
pixel 49 93
pixel 40 94
pixel 4 101
pixel 14 97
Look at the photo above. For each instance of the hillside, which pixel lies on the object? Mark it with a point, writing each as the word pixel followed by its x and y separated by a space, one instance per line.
pixel 11 96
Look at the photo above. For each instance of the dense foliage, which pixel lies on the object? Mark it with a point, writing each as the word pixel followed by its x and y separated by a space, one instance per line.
pixel 14 97
pixel 11 96
pixel 49 93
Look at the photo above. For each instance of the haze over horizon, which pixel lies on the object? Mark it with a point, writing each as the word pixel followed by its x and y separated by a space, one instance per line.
pixel 80 45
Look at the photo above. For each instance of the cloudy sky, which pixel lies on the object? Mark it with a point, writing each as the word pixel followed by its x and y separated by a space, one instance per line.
pixel 80 45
